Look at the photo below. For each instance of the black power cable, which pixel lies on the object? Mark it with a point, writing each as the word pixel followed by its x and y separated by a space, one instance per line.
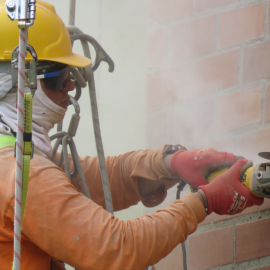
pixel 180 188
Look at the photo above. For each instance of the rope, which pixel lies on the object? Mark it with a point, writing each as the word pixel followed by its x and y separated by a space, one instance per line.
pixel 99 146
pixel 96 125
pixel 72 12
pixel 19 149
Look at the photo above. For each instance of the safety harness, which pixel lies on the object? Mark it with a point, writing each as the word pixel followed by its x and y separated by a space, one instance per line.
pixel 28 147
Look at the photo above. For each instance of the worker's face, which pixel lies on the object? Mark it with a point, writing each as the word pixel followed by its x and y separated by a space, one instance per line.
pixel 60 97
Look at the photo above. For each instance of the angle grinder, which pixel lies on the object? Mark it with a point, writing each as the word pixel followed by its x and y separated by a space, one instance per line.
pixel 255 177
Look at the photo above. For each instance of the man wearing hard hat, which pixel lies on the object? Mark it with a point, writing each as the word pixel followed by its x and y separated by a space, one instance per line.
pixel 61 224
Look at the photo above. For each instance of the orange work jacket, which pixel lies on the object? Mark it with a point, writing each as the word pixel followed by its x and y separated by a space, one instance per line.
pixel 61 223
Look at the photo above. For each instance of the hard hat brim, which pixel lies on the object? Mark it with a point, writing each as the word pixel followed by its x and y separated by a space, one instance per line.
pixel 74 59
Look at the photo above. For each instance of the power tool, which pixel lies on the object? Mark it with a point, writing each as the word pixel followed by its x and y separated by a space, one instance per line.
pixel 255 177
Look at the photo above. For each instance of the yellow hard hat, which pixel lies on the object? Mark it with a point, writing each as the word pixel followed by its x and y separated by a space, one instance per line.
pixel 48 36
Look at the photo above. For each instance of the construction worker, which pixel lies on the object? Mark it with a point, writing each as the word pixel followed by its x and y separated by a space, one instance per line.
pixel 62 225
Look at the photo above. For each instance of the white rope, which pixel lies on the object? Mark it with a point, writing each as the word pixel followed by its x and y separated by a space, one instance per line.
pixel 19 149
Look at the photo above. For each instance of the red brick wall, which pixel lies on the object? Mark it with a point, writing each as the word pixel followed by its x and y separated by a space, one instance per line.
pixel 209 85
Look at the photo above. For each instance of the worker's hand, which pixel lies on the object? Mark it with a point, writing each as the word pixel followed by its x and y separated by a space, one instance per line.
pixel 195 166
pixel 227 195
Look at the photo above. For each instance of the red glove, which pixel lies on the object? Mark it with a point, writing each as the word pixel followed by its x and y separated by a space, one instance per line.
pixel 227 195
pixel 196 165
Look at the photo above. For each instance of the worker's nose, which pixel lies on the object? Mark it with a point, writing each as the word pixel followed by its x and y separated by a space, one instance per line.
pixel 69 86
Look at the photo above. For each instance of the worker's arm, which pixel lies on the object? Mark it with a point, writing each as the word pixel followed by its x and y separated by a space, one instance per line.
pixel 145 175
pixel 134 176
pixel 71 228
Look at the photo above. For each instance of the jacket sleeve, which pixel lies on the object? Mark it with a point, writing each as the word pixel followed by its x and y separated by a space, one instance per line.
pixel 135 176
pixel 70 227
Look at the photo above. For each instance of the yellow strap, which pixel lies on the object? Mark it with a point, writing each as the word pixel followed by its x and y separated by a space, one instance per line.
pixel 27 147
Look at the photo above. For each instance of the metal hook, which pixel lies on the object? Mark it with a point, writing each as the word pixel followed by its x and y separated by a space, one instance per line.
pixel 101 55
pixel 30 73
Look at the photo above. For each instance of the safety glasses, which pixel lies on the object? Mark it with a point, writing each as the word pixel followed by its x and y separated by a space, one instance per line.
pixel 55 80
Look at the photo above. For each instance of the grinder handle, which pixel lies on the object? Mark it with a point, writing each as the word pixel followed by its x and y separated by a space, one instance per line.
pixel 214 174
pixel 245 176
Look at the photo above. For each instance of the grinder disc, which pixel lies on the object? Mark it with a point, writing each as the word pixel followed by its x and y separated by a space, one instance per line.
pixel 265 155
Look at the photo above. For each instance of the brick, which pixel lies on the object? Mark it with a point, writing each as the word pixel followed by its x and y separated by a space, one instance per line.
pixel 227 145
pixel 216 71
pixel 191 122
pixel 239 109
pixel 265 205
pixel 262 268
pixel 256 64
pixel 200 5
pixel 252 240
pixel 241 25
pixel 267 104
pixel 184 82
pixel 269 19
pixel 199 143
pixel 173 261
pixel 157 47
pixel 218 218
pixel 265 267
pixel 194 38
pixel 155 130
pixel 252 143
pixel 169 86
pixel 162 11
pixel 211 249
